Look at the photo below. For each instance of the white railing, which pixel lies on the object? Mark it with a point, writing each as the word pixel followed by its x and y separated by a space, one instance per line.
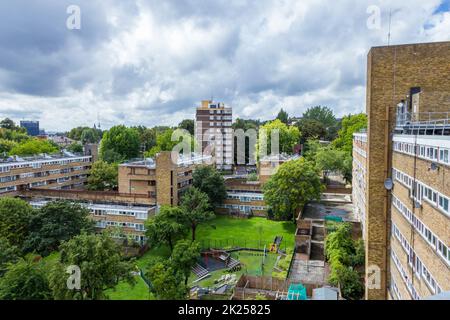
pixel 423 118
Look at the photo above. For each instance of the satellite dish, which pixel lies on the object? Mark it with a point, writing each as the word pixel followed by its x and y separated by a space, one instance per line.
pixel 434 166
pixel 388 184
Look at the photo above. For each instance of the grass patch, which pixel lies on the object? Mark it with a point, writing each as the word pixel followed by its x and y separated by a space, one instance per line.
pixel 226 232
pixel 152 254
pixel 125 291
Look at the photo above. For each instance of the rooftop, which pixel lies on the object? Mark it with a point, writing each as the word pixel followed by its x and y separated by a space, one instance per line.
pixel 105 206
pixel 18 161
pixel 183 160
pixel 280 157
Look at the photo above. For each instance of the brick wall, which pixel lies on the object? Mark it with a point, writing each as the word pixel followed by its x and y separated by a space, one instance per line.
pixel 391 73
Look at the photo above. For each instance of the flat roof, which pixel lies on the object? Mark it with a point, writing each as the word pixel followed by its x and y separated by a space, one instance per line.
pixel 16 160
pixel 93 205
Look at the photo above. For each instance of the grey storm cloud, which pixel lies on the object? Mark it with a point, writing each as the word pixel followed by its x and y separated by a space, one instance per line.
pixel 151 62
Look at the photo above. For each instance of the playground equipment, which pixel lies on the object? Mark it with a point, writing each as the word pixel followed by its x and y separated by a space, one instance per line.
pixel 220 259
pixel 275 246
pixel 200 272
pixel 296 292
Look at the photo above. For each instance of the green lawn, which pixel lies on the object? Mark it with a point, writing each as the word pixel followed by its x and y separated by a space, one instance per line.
pixel 226 232
pixel 158 252
pixel 124 291
pixel 251 264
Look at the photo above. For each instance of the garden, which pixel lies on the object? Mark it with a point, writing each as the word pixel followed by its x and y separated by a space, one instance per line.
pixel 223 232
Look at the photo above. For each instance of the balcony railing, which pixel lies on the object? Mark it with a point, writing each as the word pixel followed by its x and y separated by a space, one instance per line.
pixel 423 119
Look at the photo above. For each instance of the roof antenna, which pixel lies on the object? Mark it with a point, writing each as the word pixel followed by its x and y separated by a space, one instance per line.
pixel 389 33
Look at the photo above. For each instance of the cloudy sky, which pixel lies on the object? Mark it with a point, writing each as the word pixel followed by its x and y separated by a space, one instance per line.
pixel 151 61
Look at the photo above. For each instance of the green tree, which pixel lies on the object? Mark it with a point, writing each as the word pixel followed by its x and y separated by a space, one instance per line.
pixel 75 133
pixel 103 176
pixel 329 159
pixel 184 256
pixel 283 116
pixel 16 135
pixel 90 135
pixel 33 147
pixel 8 254
pixel 55 222
pixel 166 281
pixel 312 147
pixel 289 137
pixel 187 124
pixel 294 184
pixel 358 259
pixel 350 124
pixel 15 215
pixel 6 146
pixel 25 280
pixel 321 114
pixel 165 227
pixel 147 137
pixel 208 180
pixel 350 282
pixel 164 142
pixel 119 143
pixel 7 123
pixel 75 147
pixel 340 239
pixel 246 124
pixel 312 129
pixel 101 264
pixel 195 208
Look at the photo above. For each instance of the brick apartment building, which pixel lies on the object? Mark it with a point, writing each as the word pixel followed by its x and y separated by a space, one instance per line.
pixel 142 186
pixel 162 179
pixel 66 171
pixel 125 221
pixel 407 215
pixel 214 132
pixel 246 197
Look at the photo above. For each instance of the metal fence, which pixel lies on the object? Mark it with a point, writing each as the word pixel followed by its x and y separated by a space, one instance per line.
pixel 238 243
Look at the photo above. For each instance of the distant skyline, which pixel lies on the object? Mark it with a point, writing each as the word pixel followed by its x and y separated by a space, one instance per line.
pixel 152 62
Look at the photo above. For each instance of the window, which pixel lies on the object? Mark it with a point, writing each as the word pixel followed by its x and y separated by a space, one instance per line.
pixel 443 203
pixel 444 156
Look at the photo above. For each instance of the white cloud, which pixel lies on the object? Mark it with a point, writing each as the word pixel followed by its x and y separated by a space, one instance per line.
pixel 151 62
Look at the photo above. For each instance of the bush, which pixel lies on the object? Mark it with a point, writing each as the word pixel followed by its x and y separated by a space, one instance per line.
pixel 344 255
